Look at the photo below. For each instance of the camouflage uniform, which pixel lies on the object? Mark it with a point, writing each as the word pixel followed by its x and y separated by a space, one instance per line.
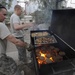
pixel 8 66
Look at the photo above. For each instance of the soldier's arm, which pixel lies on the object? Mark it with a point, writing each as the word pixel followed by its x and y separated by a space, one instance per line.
pixel 21 26
pixel 18 42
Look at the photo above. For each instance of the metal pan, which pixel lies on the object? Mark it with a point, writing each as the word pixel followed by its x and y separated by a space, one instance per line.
pixel 45 40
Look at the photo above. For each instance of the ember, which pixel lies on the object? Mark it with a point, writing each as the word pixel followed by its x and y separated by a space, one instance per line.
pixel 45 56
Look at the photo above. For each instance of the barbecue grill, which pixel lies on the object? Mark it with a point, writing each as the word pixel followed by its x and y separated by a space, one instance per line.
pixel 56 58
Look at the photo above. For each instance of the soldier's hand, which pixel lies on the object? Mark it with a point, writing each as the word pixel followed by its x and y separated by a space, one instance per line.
pixel 30 24
pixel 30 47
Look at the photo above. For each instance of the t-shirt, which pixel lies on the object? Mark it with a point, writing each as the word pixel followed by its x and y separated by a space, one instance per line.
pixel 13 20
pixel 4 32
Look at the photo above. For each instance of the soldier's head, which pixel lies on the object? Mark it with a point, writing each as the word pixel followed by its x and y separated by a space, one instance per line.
pixel 18 9
pixel 3 13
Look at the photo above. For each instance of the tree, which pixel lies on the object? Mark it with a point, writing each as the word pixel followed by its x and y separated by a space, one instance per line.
pixel 46 6
pixel 53 4
pixel 6 3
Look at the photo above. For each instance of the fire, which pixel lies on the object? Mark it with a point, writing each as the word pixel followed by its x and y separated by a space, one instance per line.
pixel 45 56
pixel 42 58
pixel 42 54
pixel 40 62
pixel 51 59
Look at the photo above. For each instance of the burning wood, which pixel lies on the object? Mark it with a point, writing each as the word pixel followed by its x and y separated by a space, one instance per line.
pixel 61 53
pixel 49 54
pixel 49 60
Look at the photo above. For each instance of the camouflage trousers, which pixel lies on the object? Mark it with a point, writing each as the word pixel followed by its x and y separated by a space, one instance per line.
pixel 8 66
pixel 21 51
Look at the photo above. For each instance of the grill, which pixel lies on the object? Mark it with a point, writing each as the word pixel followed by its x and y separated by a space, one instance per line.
pixel 58 56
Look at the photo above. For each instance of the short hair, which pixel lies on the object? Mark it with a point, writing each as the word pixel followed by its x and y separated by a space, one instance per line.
pixel 2 7
pixel 17 7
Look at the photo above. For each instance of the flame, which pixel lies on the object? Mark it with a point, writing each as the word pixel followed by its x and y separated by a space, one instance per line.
pixel 42 54
pixel 40 62
pixel 51 59
pixel 47 56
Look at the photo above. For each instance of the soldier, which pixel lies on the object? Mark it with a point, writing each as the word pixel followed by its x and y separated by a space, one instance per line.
pixel 7 64
pixel 17 30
